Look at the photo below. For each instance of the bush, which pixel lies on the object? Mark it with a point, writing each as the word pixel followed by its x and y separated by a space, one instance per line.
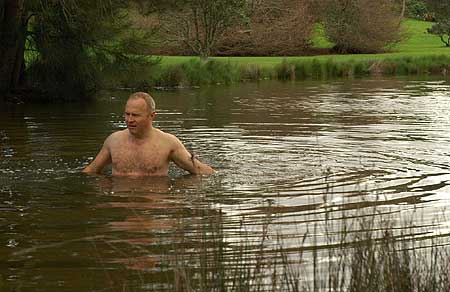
pixel 362 26
pixel 275 27
pixel 417 9
pixel 197 25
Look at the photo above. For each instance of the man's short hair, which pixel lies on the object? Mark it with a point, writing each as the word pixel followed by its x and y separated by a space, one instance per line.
pixel 147 98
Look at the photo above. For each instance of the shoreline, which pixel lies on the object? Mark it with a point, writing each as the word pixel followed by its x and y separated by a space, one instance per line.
pixel 181 71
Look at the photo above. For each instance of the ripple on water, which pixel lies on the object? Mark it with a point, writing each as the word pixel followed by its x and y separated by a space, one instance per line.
pixel 299 165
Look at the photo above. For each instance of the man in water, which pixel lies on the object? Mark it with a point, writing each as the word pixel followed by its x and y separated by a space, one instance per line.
pixel 142 149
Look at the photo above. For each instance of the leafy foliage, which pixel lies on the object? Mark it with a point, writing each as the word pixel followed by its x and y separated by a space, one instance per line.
pixel 417 9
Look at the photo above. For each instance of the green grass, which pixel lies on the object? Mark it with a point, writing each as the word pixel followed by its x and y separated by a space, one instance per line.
pixel 418 53
pixel 417 42
pixel 319 39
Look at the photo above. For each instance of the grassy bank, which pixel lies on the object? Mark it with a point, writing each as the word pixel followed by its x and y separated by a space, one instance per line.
pixel 419 53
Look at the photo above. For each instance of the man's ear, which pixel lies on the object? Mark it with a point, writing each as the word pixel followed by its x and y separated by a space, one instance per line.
pixel 152 115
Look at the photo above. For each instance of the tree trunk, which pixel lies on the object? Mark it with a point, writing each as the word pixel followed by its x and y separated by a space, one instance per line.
pixel 402 13
pixel 12 44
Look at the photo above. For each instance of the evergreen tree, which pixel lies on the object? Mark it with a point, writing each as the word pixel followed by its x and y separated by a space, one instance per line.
pixel 60 49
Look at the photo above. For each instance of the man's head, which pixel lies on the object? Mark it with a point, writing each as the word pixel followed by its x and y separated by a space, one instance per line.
pixel 147 98
pixel 139 113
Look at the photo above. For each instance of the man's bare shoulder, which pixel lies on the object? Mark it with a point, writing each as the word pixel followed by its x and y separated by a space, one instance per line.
pixel 116 137
pixel 168 138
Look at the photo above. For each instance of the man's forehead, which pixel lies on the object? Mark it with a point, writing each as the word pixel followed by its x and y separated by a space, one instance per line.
pixel 136 104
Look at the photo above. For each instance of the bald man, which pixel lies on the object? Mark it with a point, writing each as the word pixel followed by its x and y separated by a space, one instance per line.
pixel 141 149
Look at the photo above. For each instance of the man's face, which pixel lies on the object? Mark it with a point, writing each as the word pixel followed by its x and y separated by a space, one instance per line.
pixel 137 116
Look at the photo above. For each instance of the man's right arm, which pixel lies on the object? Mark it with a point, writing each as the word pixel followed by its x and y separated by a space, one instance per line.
pixel 102 159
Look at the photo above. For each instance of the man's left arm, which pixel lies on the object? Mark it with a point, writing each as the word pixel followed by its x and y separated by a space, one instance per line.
pixel 188 161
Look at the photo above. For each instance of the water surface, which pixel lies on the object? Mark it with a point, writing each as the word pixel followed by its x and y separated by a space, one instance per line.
pixel 297 162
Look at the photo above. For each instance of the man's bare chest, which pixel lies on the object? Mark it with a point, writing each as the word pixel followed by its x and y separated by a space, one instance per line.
pixel 139 159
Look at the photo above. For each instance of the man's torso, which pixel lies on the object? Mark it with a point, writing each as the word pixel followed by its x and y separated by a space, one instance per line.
pixel 149 157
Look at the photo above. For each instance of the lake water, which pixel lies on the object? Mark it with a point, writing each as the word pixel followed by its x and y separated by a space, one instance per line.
pixel 298 164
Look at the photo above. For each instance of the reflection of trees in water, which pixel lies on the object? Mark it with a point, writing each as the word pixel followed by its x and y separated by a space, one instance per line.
pixel 13 132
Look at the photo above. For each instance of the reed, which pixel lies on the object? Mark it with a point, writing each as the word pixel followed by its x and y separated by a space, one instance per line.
pixel 367 254
pixel 195 72
pixel 344 250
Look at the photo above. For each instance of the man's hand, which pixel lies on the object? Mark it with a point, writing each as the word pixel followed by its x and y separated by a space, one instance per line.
pixel 187 160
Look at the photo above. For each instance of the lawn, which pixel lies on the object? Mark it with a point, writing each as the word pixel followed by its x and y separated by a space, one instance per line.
pixel 419 53
pixel 417 42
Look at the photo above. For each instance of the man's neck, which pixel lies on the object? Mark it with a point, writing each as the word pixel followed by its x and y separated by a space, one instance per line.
pixel 143 136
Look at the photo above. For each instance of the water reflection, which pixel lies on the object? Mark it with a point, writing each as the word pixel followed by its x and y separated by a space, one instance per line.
pixel 299 165
pixel 144 202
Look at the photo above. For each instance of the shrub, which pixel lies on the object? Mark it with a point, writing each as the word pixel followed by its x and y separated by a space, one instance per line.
pixel 199 24
pixel 362 26
pixel 275 27
pixel 417 9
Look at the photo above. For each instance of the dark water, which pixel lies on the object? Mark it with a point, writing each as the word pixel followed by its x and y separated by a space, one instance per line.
pixel 295 162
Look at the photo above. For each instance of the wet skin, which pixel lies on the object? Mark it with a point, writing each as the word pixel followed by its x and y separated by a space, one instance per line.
pixel 142 150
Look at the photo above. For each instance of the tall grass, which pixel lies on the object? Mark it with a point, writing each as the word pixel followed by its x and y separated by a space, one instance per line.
pixel 332 68
pixel 195 72
pixel 351 250
pixel 348 251
pixel 376 258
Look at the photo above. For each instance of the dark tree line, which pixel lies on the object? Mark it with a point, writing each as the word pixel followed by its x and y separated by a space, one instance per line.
pixel 12 39
pixel 61 49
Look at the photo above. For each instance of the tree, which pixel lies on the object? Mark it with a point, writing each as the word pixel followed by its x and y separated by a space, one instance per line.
pixel 61 49
pixel 441 12
pixel 362 26
pixel 417 9
pixel 441 29
pixel 12 43
pixel 199 24
pixel 274 27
